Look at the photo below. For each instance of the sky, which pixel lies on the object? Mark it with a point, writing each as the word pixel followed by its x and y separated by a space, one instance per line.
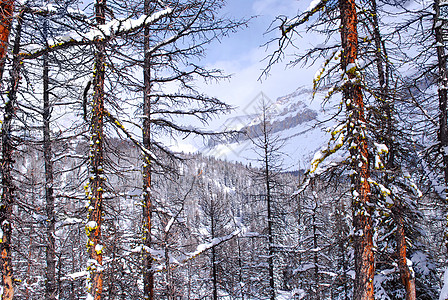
pixel 241 55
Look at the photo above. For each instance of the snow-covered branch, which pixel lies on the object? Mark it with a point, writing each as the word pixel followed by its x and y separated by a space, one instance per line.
pixel 106 32
pixel 177 262
pixel 313 8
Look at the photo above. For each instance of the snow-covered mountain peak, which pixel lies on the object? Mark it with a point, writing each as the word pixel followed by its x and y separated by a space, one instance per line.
pixel 290 118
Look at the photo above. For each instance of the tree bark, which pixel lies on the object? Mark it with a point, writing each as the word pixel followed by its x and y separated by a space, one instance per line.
pixel 443 100
pixel 50 273
pixel 148 273
pixel 407 277
pixel 316 293
pixel 6 16
pixel 361 204
pixel 8 197
pixel 214 268
pixel 387 105
pixel 267 178
pixel 93 227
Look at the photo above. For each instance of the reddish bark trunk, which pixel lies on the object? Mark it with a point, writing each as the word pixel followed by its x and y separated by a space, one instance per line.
pixel 362 221
pixel 6 14
pixel 7 164
pixel 386 106
pixel 407 276
pixel 93 228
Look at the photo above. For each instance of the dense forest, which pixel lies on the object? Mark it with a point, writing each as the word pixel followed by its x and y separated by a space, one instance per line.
pixel 95 205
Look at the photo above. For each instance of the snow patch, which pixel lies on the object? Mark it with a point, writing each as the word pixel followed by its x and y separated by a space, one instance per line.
pixel 444 292
pixel 75 275
pixel 313 5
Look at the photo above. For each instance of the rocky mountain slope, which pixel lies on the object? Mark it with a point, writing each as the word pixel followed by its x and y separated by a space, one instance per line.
pixel 296 119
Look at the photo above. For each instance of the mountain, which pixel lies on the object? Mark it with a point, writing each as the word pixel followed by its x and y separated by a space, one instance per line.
pixel 292 118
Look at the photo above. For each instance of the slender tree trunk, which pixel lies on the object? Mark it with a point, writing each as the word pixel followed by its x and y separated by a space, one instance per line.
pixel 387 108
pixel 93 227
pixel 240 269
pixel 170 288
pixel 6 16
pixel 344 268
pixel 361 204
pixel 7 162
pixel 148 273
pixel 50 274
pixel 267 178
pixel 315 254
pixel 407 277
pixel 214 270
pixel 443 99
pixel 388 135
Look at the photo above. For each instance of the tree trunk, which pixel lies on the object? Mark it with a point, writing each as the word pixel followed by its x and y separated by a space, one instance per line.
pixel 93 227
pixel 388 136
pixel 6 16
pixel 267 178
pixel 316 295
pixel 214 270
pixel 50 274
pixel 240 269
pixel 407 277
pixel 361 204
pixel 148 273
pixel 7 168
pixel 342 249
pixel 443 99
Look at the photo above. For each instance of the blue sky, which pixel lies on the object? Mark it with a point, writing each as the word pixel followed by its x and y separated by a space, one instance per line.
pixel 240 55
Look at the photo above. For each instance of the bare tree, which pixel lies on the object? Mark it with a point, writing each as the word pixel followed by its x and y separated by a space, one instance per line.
pixel 50 287
pixel 8 189
pixel 93 227
pixel 268 148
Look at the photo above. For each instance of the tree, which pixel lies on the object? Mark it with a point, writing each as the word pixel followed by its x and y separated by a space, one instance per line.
pixel 215 220
pixel 352 132
pixel 50 288
pixel 6 18
pixel 93 227
pixel 356 131
pixel 268 149
pixel 8 189
pixel 390 147
pixel 168 60
pixel 148 275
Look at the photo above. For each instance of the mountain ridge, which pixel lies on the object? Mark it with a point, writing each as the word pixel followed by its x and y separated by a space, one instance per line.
pixel 291 119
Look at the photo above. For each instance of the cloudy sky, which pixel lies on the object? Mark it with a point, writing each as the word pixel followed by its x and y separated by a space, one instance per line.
pixel 241 54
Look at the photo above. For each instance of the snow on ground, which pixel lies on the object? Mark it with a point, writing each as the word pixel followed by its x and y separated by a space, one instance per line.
pixel 444 292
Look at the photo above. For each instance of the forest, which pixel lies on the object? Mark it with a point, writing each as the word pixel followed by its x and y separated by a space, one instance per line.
pixel 95 205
